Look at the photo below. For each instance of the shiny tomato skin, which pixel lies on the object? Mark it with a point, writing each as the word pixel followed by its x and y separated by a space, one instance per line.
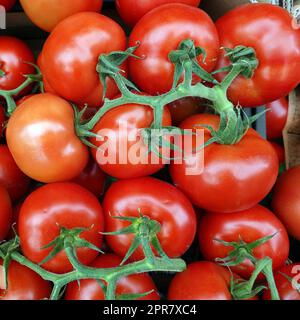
pixel 5 213
pixel 202 280
pixel 11 177
pixel 161 31
pixel 249 225
pixel 122 127
pixel 270 31
pixel 231 173
pixel 141 7
pixel 24 284
pixel 42 139
pixel 7 4
pixel 286 200
pixel 59 204
pixel 92 178
pixel 159 201
pixel 14 53
pixel 184 108
pixel 90 290
pixel 70 56
pixel 47 14
pixel 276 118
pixel 284 285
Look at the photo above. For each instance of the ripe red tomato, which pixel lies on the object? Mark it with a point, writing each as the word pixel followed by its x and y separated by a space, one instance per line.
pixel 90 289
pixel 59 204
pixel 122 153
pixel 14 54
pixel 279 151
pixel 70 56
pixel 286 200
pixel 201 280
pixel 11 177
pixel 92 178
pixel 276 118
pixel 284 285
pixel 231 173
pixel 5 213
pixel 47 14
pixel 269 30
pixel 160 32
pixel 159 201
pixel 7 4
pixel 141 7
pixel 248 225
pixel 43 142
pixel 23 284
pixel 184 108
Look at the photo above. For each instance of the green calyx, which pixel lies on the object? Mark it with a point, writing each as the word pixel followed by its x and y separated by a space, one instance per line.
pixel 245 289
pixel 144 231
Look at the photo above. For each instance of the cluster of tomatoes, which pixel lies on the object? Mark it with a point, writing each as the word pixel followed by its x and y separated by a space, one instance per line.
pixel 50 179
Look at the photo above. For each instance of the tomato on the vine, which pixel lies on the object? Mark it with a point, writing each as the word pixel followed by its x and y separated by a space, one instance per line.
pixel 90 289
pixel 231 173
pixel 286 200
pixel 23 284
pixel 58 205
pixel 248 225
pixel 184 108
pixel 141 7
pixel 47 14
pixel 92 178
pixel 70 56
pixel 122 152
pixel 279 149
pixel 161 31
pixel 270 31
pixel 276 118
pixel 5 213
pixel 14 55
pixel 11 177
pixel 159 201
pixel 286 280
pixel 42 139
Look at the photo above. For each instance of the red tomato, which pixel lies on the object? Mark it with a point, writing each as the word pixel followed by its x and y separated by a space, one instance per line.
pixel 160 32
pixel 23 284
pixel 70 56
pixel 201 280
pixel 279 151
pixel 231 173
pixel 123 154
pixel 43 141
pixel 248 225
pixel 141 7
pixel 159 201
pixel 286 200
pixel 7 4
pixel 269 30
pixel 59 204
pixel 14 54
pixel 47 14
pixel 284 285
pixel 276 118
pixel 5 213
pixel 11 177
pixel 90 289
pixel 92 178
pixel 184 108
